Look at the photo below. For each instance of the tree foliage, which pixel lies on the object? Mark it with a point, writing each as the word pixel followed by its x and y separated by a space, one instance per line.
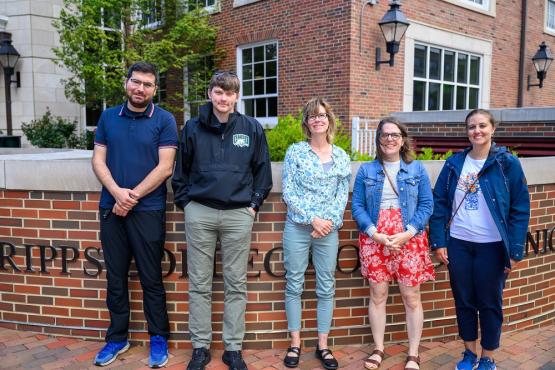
pixel 100 39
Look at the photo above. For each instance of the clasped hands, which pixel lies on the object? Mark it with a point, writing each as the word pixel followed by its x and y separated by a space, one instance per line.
pixel 321 228
pixel 394 242
pixel 126 199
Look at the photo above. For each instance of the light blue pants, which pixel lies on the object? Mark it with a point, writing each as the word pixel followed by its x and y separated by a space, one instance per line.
pixel 297 245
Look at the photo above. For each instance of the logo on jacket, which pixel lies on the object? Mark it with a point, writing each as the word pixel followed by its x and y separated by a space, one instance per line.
pixel 241 140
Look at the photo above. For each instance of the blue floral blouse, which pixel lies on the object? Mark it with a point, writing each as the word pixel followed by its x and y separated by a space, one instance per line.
pixel 311 192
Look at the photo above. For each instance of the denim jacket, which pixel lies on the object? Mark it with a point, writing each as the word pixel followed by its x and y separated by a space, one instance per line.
pixel 505 191
pixel 311 192
pixel 415 195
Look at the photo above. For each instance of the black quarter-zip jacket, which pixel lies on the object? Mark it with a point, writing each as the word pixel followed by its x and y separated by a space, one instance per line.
pixel 222 166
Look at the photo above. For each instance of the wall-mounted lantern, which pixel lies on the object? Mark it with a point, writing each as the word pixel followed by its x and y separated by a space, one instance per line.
pixel 542 61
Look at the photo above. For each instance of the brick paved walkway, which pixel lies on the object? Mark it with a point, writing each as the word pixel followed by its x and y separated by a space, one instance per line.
pixel 532 349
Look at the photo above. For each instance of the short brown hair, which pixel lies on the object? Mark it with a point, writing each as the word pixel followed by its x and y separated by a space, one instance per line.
pixel 406 153
pixel 311 108
pixel 483 112
pixel 227 80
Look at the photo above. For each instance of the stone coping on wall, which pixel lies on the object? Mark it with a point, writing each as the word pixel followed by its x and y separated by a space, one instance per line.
pixel 70 170
pixel 529 114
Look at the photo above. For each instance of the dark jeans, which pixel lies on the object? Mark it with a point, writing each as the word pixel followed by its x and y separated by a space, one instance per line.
pixel 477 279
pixel 140 235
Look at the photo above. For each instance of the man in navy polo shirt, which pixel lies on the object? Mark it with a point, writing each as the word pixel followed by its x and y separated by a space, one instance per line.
pixel 133 156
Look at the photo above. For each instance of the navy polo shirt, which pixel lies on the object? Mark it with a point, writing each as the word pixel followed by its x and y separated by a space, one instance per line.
pixel 132 140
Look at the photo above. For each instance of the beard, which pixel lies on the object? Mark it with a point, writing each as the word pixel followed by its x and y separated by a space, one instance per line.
pixel 138 104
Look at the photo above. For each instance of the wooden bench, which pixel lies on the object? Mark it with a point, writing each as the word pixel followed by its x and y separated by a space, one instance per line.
pixel 524 146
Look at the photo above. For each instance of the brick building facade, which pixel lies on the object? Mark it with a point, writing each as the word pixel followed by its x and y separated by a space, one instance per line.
pixel 318 51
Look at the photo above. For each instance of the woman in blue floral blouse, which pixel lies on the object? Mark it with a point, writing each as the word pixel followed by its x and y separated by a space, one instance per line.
pixel 316 177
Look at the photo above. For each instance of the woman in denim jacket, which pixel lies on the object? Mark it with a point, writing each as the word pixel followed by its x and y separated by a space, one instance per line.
pixel 316 177
pixel 392 201
pixel 479 194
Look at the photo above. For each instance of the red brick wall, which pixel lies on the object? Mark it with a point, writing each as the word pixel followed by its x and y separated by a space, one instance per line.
pixel 319 50
pixel 517 129
pixel 74 304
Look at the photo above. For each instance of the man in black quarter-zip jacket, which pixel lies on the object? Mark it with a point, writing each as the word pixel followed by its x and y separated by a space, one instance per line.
pixel 222 176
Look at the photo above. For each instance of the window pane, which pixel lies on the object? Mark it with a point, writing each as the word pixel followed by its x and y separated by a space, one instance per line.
pixel 433 96
pixel 474 70
pixel 259 70
pixel 473 98
pixel 271 69
pixel 247 88
pixel 418 99
pixel 461 97
pixel 449 65
pixel 249 107
pixel 420 60
pixel 247 55
pixel 247 72
pixel 271 86
pixel 272 107
pixel 259 54
pixel 551 14
pixel 260 107
pixel 271 51
pixel 448 96
pixel 258 87
pixel 462 63
pixel 435 63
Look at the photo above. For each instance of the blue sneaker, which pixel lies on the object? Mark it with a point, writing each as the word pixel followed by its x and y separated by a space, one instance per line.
pixel 110 352
pixel 469 361
pixel 486 363
pixel 158 352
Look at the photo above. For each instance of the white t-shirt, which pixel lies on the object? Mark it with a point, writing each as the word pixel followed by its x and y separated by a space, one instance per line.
pixel 473 221
pixel 389 198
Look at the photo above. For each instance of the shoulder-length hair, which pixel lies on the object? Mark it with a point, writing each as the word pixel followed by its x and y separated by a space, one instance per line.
pixel 406 153
pixel 312 107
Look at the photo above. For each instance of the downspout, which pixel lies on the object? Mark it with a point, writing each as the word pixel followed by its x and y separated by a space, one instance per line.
pixel 522 54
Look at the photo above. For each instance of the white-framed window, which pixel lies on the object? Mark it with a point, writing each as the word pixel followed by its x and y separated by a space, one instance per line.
pixel 482 6
pixel 153 17
pixel 238 3
pixel 212 6
pixel 445 79
pixel 550 16
pixel 257 68
pixel 197 75
pixel 445 70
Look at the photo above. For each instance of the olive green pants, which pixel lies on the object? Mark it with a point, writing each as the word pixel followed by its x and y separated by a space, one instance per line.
pixel 203 227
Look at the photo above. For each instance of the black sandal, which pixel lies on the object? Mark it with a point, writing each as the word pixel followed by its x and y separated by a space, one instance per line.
pixel 328 363
pixel 292 361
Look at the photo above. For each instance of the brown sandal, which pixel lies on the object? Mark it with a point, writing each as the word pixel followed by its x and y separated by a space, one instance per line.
pixel 370 360
pixel 414 359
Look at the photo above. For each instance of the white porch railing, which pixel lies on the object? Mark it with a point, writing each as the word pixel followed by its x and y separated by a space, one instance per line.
pixel 363 136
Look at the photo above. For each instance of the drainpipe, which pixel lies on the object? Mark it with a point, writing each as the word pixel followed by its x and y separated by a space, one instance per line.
pixel 522 54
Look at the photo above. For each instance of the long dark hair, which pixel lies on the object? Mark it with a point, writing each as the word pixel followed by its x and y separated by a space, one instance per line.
pixel 405 152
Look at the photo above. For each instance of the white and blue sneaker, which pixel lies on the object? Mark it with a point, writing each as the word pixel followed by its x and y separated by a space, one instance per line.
pixel 486 363
pixel 158 352
pixel 110 352
pixel 469 361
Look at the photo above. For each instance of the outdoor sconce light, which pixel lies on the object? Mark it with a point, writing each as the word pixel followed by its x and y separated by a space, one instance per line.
pixel 394 24
pixel 8 59
pixel 542 61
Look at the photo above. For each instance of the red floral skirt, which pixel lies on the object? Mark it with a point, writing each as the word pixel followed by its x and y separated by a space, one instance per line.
pixel 410 267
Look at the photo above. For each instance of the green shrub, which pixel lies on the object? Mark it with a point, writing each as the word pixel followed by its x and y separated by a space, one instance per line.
pixel 427 154
pixel 54 132
pixel 289 131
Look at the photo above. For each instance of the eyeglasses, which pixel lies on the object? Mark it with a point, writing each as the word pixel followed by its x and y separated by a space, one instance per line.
pixel 320 116
pixel 147 85
pixel 391 136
